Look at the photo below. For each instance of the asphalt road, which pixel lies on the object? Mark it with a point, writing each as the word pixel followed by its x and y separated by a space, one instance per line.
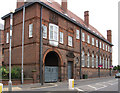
pixel 95 85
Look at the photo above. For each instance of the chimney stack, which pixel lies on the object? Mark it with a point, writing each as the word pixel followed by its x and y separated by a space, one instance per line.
pixel 86 17
pixel 20 3
pixel 109 36
pixel 64 5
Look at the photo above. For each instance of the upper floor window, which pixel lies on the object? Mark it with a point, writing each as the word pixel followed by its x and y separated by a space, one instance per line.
pixel 30 30
pixel 7 37
pixel 61 37
pixel 88 39
pixel 53 34
pixel 44 31
pixel 103 46
pixel 70 41
pixel 100 45
pixel 83 36
pixel 106 47
pixel 77 34
pixel 96 43
pixel 92 41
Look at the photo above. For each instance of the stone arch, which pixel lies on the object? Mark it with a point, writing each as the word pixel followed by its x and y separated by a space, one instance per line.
pixel 50 50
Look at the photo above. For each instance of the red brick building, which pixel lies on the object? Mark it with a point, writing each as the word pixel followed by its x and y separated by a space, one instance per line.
pixel 69 43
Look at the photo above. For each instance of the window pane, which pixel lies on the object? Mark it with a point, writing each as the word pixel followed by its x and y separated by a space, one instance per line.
pixel 7 37
pixel 96 61
pixel 44 31
pixel 69 40
pixel 30 30
pixel 83 36
pixel 83 59
pixel 93 60
pixel 103 62
pixel 88 59
pixel 61 37
pixel 88 39
pixel 77 34
pixel 51 32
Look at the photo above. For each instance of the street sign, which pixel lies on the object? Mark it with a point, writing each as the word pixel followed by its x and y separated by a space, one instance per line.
pixel 1 88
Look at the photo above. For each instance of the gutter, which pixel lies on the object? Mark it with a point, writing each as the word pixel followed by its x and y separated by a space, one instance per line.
pixel 64 16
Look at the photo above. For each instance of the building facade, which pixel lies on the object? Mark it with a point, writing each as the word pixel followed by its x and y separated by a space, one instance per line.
pixel 71 46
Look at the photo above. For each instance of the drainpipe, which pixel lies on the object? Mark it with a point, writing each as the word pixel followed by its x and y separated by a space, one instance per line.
pixel 41 48
pixel 80 53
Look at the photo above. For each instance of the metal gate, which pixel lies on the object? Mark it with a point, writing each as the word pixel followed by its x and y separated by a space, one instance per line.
pixel 51 74
pixel 69 70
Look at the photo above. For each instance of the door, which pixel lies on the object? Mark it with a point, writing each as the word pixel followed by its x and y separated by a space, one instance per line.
pixel 51 74
pixel 69 70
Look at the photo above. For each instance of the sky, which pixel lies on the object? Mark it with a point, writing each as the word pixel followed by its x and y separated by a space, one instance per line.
pixel 103 15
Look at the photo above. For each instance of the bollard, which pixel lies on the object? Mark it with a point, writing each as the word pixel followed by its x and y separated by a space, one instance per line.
pixel 1 87
pixel 71 84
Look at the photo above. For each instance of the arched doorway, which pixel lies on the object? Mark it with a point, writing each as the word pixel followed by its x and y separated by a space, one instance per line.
pixel 52 62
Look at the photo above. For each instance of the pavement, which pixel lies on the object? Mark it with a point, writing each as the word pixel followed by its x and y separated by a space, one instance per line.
pixel 91 84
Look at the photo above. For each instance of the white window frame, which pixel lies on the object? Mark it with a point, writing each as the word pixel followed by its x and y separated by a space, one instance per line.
pixel 103 46
pixel 53 34
pixel 7 37
pixel 83 36
pixel 88 39
pixel 88 59
pixel 30 30
pixel 96 61
pixel 61 37
pixel 106 48
pixel 77 34
pixel 92 60
pixel 70 41
pixel 96 43
pixel 83 59
pixel 44 31
pixel 100 45
pixel 93 41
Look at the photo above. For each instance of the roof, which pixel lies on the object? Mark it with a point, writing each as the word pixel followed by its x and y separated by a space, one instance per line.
pixel 56 7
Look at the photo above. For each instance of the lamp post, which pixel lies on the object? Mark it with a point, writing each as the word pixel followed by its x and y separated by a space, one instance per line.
pixel 10 82
pixel 23 44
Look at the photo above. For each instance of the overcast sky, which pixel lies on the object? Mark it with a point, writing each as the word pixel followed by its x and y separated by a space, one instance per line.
pixel 103 15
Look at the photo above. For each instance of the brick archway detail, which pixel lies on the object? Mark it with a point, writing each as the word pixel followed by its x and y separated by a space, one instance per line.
pixel 55 50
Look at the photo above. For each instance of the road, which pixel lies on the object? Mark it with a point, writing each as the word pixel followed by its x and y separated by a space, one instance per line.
pixel 110 84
